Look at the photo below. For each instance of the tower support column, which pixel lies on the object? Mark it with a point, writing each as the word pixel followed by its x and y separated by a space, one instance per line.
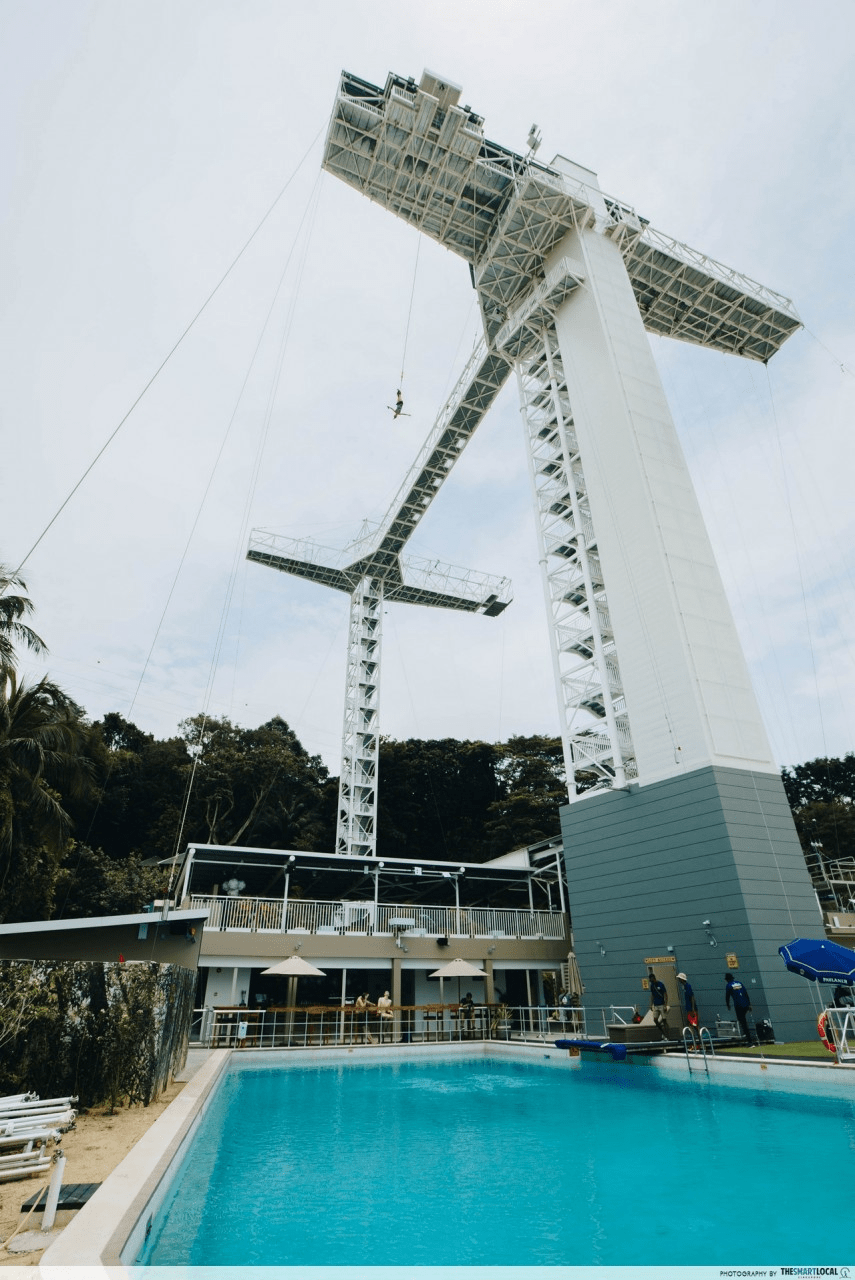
pixel 687 691
pixel 356 830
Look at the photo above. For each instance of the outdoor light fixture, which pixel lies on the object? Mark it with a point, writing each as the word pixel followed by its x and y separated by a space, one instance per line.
pixel 708 927
pixel 602 948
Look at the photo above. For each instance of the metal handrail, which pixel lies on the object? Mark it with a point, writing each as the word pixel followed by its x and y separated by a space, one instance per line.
pixel 331 1025
pixel 346 916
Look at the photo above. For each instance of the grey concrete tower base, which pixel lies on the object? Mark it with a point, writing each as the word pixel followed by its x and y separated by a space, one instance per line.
pixel 648 866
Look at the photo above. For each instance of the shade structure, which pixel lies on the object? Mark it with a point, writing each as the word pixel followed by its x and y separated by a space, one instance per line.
pixel 295 967
pixel 457 969
pixel 820 960
pixel 574 984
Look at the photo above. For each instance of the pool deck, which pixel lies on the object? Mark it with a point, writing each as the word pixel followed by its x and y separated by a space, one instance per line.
pixel 112 1228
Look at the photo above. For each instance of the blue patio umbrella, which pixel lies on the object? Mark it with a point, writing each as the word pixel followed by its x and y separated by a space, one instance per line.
pixel 820 960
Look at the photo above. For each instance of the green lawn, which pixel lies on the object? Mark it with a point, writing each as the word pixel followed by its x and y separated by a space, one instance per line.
pixel 798 1049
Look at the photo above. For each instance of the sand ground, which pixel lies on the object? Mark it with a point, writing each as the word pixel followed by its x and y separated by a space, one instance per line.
pixel 99 1141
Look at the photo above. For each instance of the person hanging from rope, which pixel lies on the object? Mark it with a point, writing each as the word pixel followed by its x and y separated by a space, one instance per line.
pixel 398 407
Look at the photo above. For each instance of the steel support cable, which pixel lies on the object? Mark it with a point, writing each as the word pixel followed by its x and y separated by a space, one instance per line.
pixel 309 212
pixel 410 309
pixel 168 355
pixel 711 434
pixel 842 366
pixel 202 502
pixel 803 591
pixel 798 557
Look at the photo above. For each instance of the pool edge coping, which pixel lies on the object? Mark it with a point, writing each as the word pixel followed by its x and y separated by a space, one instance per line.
pixel 104 1228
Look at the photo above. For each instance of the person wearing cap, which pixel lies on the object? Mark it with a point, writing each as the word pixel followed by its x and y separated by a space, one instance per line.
pixel 689 1002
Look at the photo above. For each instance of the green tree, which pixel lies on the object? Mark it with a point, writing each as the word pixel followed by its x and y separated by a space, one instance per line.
pixel 41 732
pixel 434 797
pixel 138 794
pixel 532 778
pixel 89 883
pixel 254 786
pixel 13 608
pixel 822 797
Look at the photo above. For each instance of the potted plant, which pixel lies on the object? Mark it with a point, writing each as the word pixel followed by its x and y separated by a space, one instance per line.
pixel 501 1022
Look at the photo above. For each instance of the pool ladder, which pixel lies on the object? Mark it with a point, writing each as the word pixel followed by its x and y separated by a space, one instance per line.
pixel 689 1034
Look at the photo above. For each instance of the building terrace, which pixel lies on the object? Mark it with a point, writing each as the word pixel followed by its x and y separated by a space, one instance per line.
pixel 375 922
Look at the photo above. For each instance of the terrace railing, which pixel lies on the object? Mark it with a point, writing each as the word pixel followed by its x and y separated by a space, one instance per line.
pixel 330 1025
pixel 272 915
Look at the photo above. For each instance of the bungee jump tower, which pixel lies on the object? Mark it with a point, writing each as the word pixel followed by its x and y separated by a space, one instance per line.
pixel 679 843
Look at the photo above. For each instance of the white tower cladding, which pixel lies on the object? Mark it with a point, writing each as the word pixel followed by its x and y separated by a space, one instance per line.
pixel 649 671
pixel 370 569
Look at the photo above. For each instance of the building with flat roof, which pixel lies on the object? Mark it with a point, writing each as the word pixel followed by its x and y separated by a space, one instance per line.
pixel 375 924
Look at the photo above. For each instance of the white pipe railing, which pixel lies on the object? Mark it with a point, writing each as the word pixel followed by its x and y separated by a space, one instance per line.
pixel 330 1025
pixel 268 915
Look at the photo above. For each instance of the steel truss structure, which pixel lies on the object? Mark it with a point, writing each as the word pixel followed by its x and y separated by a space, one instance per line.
pixel 371 571
pixel 584 658
pixel 413 149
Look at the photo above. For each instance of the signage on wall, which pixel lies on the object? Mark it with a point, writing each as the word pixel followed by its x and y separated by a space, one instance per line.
pixel 660 959
pixel 732 960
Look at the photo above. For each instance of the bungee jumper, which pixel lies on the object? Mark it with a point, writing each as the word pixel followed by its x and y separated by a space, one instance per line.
pixel 398 410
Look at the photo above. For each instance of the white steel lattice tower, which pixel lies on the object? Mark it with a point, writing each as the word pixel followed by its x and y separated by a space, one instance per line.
pixel 649 672
pixel 371 570
pixel 357 809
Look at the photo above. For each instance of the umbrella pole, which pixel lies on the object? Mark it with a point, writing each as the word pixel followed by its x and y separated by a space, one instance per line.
pixel 292 1000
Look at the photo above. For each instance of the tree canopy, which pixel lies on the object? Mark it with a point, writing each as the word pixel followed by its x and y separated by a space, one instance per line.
pixel 822 797
pixel 89 809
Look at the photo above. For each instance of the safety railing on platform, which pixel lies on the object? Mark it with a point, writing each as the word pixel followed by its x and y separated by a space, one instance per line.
pixel 273 915
pixel 329 1025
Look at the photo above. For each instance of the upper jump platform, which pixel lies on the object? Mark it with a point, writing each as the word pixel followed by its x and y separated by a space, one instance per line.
pixel 413 149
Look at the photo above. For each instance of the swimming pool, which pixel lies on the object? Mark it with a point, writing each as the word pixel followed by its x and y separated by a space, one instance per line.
pixel 493 1162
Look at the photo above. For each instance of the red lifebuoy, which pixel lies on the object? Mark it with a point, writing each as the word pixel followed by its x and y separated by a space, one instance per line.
pixel 826 1031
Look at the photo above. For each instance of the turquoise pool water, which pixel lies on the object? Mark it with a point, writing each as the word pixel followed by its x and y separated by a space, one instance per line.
pixel 491 1162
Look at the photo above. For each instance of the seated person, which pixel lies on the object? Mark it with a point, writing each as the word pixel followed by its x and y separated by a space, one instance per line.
pixel 384 1012
pixel 467 1011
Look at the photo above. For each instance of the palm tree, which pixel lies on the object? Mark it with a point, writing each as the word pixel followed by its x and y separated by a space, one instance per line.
pixel 12 609
pixel 41 761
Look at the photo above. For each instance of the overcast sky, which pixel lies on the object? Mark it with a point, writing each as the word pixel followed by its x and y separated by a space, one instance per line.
pixel 140 145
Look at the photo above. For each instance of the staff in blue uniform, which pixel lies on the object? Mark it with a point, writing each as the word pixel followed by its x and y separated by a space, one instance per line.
pixel 658 1002
pixel 741 1003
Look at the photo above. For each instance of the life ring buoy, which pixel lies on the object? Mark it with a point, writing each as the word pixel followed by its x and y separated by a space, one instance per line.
pixel 826 1031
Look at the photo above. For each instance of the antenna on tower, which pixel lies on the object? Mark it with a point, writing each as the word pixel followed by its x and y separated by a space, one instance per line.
pixel 533 141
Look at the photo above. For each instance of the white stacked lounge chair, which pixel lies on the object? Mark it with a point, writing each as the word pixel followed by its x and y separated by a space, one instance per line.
pixel 27 1126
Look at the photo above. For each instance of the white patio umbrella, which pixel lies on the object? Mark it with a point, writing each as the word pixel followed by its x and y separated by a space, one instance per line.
pixel 457 969
pixel 294 967
pixel 575 977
